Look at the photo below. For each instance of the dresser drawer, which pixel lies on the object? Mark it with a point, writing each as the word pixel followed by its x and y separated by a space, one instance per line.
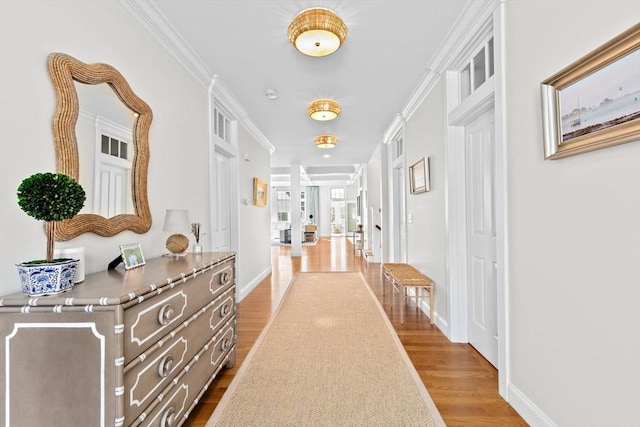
pixel 150 372
pixel 179 396
pixel 170 305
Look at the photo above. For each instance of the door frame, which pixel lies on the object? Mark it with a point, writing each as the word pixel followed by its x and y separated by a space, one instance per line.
pixel 489 96
pixel 399 188
pixel 230 150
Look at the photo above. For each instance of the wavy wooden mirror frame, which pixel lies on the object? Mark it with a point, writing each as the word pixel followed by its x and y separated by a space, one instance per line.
pixel 63 70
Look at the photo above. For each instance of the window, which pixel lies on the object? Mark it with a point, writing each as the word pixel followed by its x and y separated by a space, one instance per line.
pixel 337 215
pixel 283 205
pixel 477 71
pixel 221 124
pixel 398 147
pixel 337 194
pixel 113 147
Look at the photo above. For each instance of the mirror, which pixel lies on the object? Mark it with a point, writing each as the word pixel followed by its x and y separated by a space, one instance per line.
pixel 104 134
pixel 64 70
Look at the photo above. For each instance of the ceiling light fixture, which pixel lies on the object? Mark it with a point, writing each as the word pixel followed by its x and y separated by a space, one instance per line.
pixel 317 32
pixel 323 109
pixel 326 141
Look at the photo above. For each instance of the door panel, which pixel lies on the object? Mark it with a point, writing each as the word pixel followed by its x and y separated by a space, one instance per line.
pixel 399 215
pixel 481 237
pixel 222 209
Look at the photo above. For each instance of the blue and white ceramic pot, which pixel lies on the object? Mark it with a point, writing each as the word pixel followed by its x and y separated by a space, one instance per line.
pixel 47 278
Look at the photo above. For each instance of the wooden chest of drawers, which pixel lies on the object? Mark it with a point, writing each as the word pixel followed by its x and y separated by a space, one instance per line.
pixel 134 348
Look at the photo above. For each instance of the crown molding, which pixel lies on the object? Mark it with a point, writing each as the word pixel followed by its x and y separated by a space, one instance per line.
pixel 392 130
pixel 474 22
pixel 159 26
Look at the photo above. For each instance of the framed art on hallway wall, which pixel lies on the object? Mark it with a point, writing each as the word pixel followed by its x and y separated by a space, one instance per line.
pixel 419 176
pixel 595 102
pixel 259 192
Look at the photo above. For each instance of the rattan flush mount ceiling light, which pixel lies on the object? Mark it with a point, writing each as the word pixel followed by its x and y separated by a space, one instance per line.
pixel 317 32
pixel 323 109
pixel 326 141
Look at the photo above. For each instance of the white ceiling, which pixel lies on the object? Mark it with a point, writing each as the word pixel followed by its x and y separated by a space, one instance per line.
pixel 387 51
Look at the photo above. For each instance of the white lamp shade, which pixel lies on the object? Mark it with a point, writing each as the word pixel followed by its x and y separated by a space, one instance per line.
pixel 176 221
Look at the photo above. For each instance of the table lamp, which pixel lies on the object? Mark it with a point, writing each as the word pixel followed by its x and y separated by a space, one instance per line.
pixel 175 221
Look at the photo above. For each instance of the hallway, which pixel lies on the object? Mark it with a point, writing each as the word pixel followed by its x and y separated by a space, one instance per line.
pixel 463 385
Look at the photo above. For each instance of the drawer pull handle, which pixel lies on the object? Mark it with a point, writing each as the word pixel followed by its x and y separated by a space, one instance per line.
pixel 168 417
pixel 225 344
pixel 225 278
pixel 165 367
pixel 166 314
pixel 225 310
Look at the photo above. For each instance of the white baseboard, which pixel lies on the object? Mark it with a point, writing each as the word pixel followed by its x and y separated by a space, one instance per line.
pixel 527 409
pixel 246 289
pixel 438 321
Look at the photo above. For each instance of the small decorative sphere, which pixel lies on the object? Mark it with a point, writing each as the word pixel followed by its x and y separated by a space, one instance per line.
pixel 177 243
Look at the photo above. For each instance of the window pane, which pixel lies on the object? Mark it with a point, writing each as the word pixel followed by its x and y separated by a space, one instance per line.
pixel 105 144
pixel 479 75
pixel 220 131
pixel 114 147
pixel 398 148
pixel 490 59
pixel 123 150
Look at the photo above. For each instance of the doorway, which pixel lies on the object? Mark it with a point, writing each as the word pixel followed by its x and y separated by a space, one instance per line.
pixel 399 223
pixel 221 217
pixel 338 212
pixel 481 253
pixel 476 158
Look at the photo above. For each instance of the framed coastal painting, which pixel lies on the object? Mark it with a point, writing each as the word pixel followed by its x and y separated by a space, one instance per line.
pixel 259 192
pixel 595 102
pixel 419 176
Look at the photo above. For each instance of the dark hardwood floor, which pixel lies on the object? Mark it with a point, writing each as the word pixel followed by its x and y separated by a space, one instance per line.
pixel 463 385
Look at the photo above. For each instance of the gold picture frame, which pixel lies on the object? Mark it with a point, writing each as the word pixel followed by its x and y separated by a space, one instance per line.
pixel 419 176
pixel 592 104
pixel 259 192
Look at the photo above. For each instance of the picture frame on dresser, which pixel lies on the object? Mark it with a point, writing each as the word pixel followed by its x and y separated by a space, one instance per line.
pixel 132 255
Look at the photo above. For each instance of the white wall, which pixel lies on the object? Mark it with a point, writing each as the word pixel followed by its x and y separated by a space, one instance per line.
pixel 254 258
pixel 424 137
pixel 324 207
pixel 374 205
pixel 98 31
pixel 574 232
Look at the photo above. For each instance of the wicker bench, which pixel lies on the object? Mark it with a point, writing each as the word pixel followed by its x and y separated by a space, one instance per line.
pixel 402 276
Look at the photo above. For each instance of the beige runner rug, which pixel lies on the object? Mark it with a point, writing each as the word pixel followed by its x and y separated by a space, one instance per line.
pixel 328 357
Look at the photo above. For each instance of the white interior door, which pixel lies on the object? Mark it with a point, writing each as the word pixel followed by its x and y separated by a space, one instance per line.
pixel 223 203
pixel 481 236
pixel 111 197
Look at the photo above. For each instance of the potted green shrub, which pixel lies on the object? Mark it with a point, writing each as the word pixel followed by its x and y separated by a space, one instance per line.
pixel 49 197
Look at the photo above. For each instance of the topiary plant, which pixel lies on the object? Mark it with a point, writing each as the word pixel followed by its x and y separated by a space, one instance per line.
pixel 50 197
